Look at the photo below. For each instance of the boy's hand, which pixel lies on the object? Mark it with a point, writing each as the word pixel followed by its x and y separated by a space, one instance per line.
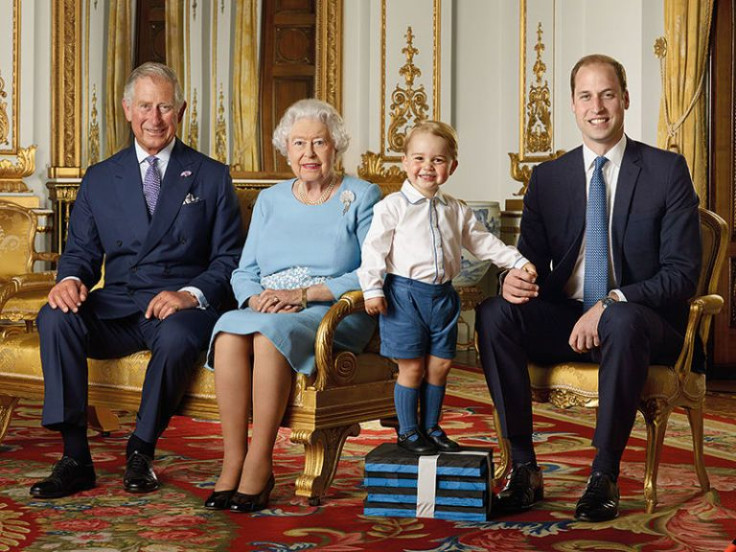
pixel 376 305
pixel 529 268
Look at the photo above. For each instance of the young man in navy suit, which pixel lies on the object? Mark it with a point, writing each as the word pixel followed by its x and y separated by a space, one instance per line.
pixel 613 230
pixel 165 222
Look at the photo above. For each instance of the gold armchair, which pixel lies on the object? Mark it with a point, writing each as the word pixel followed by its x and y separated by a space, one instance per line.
pixel 667 387
pixel 22 291
pixel 324 408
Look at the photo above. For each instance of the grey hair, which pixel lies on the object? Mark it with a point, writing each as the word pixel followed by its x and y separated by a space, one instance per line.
pixel 153 70
pixel 317 110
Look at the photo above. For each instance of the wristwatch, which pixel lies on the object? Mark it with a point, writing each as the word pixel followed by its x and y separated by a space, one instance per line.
pixel 606 301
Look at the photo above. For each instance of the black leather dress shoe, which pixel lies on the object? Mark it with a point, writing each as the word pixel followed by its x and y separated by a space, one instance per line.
pixel 600 499
pixel 417 443
pixel 219 500
pixel 524 486
pixel 139 476
pixel 67 477
pixel 245 503
pixel 439 438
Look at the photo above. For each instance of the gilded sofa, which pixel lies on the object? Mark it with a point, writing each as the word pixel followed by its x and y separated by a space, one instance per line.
pixel 324 408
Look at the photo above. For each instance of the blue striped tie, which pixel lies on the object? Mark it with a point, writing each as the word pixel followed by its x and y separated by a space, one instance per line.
pixel 152 184
pixel 596 239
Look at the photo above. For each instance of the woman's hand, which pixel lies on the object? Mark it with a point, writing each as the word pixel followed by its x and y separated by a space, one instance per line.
pixel 277 300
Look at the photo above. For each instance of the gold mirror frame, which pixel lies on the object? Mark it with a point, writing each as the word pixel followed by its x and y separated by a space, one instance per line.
pixel 67 82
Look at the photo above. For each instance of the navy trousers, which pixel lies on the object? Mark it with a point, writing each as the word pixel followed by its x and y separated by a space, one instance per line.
pixel 632 337
pixel 68 339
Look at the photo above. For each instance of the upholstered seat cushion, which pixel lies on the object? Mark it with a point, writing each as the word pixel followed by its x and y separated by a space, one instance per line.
pixel 581 379
pixel 20 358
pixel 24 306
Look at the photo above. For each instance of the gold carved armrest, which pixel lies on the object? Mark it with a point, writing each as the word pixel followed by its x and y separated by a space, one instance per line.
pixel 335 369
pixel 23 283
pixel 702 311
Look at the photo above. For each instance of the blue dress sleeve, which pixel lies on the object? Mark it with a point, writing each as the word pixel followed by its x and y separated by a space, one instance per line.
pixel 364 215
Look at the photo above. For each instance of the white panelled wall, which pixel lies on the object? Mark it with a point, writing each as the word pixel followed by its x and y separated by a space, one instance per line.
pixel 484 79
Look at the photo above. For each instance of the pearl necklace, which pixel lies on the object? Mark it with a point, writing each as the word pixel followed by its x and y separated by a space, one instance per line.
pixel 301 192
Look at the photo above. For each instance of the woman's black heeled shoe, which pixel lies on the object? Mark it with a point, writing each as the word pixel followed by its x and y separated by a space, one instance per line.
pixel 219 500
pixel 245 503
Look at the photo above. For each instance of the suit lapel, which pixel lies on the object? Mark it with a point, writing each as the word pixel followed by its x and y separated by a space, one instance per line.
pixel 627 179
pixel 129 191
pixel 180 175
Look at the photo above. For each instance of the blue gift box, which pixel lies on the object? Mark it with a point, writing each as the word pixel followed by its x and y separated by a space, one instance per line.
pixel 449 485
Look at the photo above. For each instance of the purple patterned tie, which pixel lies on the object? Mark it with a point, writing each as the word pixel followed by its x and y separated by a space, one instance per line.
pixel 152 183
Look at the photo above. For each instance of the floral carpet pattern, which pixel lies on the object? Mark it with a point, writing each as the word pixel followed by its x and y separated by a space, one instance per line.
pixel 173 520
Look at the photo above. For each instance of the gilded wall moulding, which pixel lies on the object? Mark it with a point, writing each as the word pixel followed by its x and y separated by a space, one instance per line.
pixel 193 135
pixel 373 170
pixel 328 80
pixel 10 111
pixel 4 120
pixel 408 104
pixel 221 148
pixel 536 132
pixel 12 174
pixel 93 139
pixel 66 97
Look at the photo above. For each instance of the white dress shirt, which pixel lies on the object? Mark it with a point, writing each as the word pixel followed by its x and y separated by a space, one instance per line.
pixel 422 238
pixel 575 285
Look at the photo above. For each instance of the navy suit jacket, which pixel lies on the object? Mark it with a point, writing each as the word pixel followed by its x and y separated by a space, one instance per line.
pixel 193 243
pixel 655 231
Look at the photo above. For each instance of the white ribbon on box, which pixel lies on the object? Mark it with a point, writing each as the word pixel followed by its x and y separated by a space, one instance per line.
pixel 427 480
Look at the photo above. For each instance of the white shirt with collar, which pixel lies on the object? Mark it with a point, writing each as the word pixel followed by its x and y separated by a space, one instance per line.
pixel 575 285
pixel 163 158
pixel 422 239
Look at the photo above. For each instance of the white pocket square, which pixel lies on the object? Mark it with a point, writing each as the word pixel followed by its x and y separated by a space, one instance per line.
pixel 191 199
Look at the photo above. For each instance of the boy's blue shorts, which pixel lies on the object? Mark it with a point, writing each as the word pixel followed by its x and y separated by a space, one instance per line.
pixel 421 319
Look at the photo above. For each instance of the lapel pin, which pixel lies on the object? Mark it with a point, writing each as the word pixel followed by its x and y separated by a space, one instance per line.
pixel 185 174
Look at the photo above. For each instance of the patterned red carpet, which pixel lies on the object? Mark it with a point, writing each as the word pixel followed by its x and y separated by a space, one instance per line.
pixel 172 520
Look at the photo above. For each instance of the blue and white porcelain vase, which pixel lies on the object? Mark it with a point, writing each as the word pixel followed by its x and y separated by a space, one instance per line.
pixel 473 269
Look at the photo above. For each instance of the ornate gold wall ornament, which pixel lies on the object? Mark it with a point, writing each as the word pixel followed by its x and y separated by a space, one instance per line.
pixel 66 99
pixel 4 121
pixel 373 170
pixel 328 64
pixel 10 114
pixel 538 135
pixel 407 104
pixel 193 136
pixel 12 174
pixel 221 130
pixel 93 140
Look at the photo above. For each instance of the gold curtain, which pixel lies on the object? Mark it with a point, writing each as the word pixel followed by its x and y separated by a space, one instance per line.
pixel 683 63
pixel 175 41
pixel 119 66
pixel 245 87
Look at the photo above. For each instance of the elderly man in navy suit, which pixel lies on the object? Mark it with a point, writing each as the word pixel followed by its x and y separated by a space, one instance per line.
pixel 165 222
pixel 613 230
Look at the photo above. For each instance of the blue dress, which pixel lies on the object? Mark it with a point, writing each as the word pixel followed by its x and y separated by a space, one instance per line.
pixel 292 245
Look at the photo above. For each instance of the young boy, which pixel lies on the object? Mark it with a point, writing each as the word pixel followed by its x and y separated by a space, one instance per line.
pixel 410 255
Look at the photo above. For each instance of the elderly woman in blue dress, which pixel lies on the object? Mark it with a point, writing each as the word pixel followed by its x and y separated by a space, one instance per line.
pixel 301 254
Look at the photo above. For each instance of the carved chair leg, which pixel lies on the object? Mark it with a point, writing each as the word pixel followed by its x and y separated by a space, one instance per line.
pixel 656 421
pixel 322 449
pixel 695 416
pixel 102 419
pixel 7 405
pixel 504 454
